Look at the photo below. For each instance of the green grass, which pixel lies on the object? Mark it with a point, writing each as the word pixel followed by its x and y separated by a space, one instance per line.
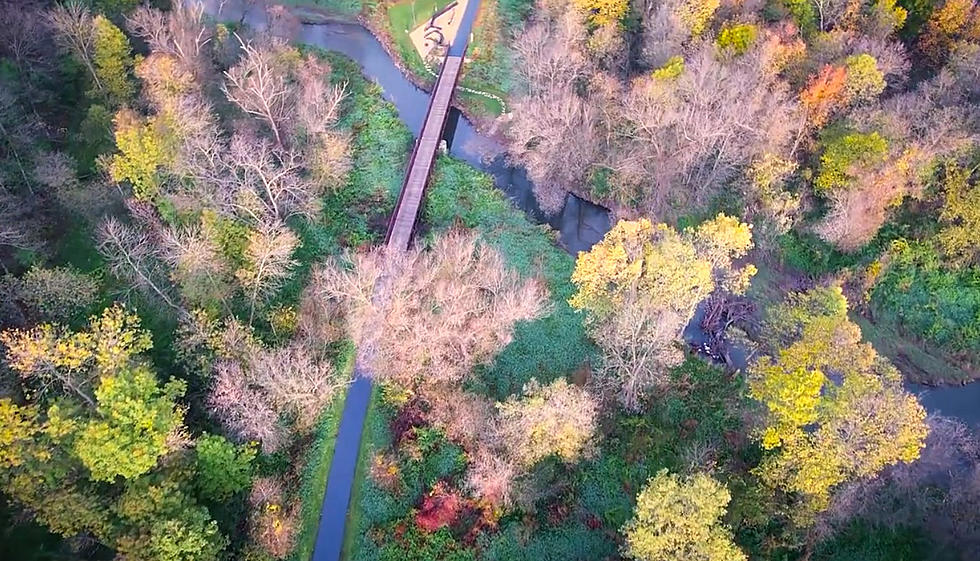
pixel 917 361
pixel 343 7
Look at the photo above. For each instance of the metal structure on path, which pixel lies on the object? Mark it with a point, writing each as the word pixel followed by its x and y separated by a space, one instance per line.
pixel 343 467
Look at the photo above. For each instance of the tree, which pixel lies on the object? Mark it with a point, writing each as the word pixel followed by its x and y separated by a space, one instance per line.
pixel 678 519
pixel 843 153
pixel 58 294
pixel 146 148
pixel 959 236
pixel 132 416
pixel 133 255
pixel 163 523
pixel 737 38
pixel 113 60
pixel 555 419
pixel 820 431
pixel 697 14
pixel 268 261
pixel 825 94
pixel 258 86
pixel 222 468
pixel 428 317
pixel 134 419
pixel 920 125
pixel 864 81
pixel 75 33
pixel 603 12
pixel 640 286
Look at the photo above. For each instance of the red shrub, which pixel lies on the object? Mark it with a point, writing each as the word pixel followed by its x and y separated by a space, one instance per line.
pixel 440 508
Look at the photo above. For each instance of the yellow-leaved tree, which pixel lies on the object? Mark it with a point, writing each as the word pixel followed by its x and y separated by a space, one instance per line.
pixel 835 408
pixel 604 12
pixel 640 286
pixel 678 519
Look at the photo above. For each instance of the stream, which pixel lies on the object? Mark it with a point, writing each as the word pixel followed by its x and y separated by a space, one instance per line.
pixel 580 223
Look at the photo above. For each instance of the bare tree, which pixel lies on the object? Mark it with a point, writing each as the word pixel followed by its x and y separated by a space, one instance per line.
pixel 639 347
pixel 428 317
pixel 258 86
pixel 23 34
pixel 268 262
pixel 296 381
pixel 75 34
pixel 180 32
pixel 133 255
pixel 245 411
pixel 318 103
pixel 196 265
pixel 554 131
pixel 269 181
pixel 677 142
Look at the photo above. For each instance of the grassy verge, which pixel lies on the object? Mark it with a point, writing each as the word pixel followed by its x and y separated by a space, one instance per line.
pixel 345 7
pixel 913 358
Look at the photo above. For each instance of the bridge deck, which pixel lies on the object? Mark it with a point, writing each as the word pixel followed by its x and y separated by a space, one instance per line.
pixel 423 156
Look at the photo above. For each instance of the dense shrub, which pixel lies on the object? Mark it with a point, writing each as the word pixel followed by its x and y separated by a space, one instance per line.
pixel 930 300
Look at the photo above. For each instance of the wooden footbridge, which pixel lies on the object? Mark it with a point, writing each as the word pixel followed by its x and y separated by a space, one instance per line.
pixel 343 467
pixel 403 220
pixel 406 213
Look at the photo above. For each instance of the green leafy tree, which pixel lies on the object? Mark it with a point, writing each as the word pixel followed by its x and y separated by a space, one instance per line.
pixel 843 153
pixel 671 69
pixel 737 38
pixel 864 81
pixel 146 147
pixel 640 286
pixel 163 523
pixel 37 470
pixel 134 417
pixel 679 519
pixel 223 469
pixel 959 236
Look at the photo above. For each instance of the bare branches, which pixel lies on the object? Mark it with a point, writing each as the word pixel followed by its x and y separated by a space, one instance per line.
pixel 134 255
pixel 437 314
pixel 181 32
pixel 268 262
pixel 270 179
pixel 258 86
pixel 244 410
pixel 296 381
pixel 75 34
